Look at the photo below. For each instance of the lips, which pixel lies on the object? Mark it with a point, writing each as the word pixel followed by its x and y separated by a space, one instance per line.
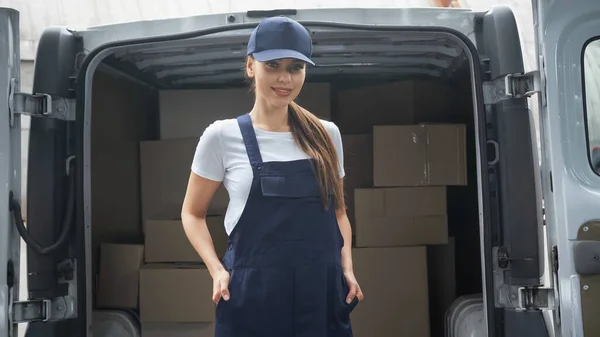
pixel 282 91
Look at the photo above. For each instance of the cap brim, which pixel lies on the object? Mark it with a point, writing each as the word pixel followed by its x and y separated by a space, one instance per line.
pixel 277 54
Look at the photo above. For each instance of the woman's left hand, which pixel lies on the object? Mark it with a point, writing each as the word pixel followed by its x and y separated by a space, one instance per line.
pixel 355 290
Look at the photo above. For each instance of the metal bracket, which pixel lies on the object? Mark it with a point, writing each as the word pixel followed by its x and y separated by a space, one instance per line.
pixel 43 310
pixel 47 310
pixel 511 86
pixel 39 105
pixel 514 296
pixel 536 298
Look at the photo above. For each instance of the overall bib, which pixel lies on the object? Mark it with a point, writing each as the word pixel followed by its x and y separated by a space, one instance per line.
pixel 284 256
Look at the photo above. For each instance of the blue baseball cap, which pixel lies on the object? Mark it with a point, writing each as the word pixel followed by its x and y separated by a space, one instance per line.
pixel 280 37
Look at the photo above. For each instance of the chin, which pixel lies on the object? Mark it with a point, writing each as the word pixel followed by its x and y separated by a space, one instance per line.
pixel 281 102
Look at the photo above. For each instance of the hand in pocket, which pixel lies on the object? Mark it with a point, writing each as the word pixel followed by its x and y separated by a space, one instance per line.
pixel 221 286
pixel 354 287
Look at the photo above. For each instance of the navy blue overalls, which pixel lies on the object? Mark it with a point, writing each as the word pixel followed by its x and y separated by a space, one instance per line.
pixel 284 256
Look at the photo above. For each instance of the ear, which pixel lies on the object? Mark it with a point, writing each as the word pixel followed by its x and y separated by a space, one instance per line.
pixel 250 64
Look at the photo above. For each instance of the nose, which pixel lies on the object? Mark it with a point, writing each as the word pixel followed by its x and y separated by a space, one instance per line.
pixel 285 77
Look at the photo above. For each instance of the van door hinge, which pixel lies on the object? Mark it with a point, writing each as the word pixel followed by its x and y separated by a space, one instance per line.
pixel 536 298
pixel 43 310
pixel 511 86
pixel 525 298
pixel 56 309
pixel 39 105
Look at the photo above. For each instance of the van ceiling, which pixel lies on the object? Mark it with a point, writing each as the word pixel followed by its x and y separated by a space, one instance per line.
pixel 218 59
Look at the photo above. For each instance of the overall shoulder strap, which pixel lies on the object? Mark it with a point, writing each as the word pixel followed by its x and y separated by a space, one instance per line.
pixel 249 136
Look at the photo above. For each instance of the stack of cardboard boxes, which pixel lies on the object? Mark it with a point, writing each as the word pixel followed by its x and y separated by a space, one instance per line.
pixel 397 173
pixel 164 277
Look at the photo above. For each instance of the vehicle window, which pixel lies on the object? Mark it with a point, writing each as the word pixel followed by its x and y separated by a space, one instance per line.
pixel 591 91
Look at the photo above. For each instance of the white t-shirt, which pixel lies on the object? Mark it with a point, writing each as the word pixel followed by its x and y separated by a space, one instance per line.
pixel 221 156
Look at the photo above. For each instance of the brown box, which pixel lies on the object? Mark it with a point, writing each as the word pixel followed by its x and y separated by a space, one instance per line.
pixel 358 165
pixel 419 155
pixel 394 281
pixel 401 216
pixel 166 241
pixel 176 294
pixel 165 168
pixel 119 275
pixel 150 329
pixel 359 109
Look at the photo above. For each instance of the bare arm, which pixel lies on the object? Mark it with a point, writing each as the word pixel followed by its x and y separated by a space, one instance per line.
pixel 193 215
pixel 346 229
pixel 347 265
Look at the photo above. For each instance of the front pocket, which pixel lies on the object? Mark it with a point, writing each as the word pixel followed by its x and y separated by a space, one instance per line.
pixel 352 305
pixel 290 186
pixel 223 308
pixel 348 307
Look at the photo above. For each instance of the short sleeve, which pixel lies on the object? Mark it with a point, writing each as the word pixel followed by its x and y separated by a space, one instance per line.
pixel 336 138
pixel 208 158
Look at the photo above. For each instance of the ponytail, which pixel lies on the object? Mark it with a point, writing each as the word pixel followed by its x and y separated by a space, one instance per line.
pixel 312 137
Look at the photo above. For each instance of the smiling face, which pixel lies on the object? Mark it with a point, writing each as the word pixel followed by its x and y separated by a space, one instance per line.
pixel 278 82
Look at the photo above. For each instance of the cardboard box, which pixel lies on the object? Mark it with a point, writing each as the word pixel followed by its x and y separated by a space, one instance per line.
pixel 359 109
pixel 166 241
pixel 419 155
pixel 186 113
pixel 176 293
pixel 394 281
pixel 178 329
pixel 401 216
pixel 165 168
pixel 119 276
pixel 358 165
pixel 441 267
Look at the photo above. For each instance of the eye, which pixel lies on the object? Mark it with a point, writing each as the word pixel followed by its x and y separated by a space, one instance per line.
pixel 272 64
pixel 297 67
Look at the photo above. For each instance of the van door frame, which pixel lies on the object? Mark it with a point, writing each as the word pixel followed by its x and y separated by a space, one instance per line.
pixel 95 57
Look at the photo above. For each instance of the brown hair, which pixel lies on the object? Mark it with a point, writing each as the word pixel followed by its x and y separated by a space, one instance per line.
pixel 312 138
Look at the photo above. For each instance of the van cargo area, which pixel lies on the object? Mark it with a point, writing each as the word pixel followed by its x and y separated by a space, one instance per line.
pixel 404 103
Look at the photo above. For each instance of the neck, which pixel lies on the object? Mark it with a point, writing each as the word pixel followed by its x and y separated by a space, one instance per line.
pixel 270 118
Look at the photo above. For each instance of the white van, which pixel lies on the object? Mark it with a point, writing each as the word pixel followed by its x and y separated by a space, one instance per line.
pixel 97 96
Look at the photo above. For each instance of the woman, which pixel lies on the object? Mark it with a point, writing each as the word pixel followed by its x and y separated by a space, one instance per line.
pixel 288 269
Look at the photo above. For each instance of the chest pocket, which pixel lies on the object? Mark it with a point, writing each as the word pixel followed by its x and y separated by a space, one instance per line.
pixel 298 185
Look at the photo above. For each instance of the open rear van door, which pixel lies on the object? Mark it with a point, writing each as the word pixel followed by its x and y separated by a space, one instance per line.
pixel 568 43
pixel 10 167
pixel 515 296
pixel 49 232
